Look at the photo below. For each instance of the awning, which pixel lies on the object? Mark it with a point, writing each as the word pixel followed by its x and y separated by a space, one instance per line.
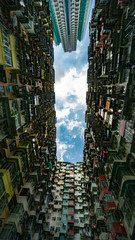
pixel 95 163
pixel 102 178
pixel 103 37
pixel 70 213
pixel 70 233
pixel 122 3
pixel 70 221
pixel 104 191
pixel 117 228
pixel 94 226
pixel 92 214
pixel 109 206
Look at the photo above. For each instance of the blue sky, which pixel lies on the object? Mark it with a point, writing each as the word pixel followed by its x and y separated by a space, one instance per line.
pixel 70 93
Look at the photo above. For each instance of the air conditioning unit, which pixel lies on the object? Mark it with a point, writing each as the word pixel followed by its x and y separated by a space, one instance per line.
pixel 31 188
pixel 14 218
pixel 23 200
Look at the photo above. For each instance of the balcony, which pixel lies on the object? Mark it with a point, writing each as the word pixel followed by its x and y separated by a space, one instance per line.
pixel 5 119
pixel 26 147
pixel 70 203
pixel 64 224
pixel 123 4
pixel 104 34
pixel 3 204
pixel 29 227
pixel 25 199
pixel 104 192
pixel 70 219
pixel 17 216
pixel 20 157
pixel 9 232
pixel 12 168
pixel 121 172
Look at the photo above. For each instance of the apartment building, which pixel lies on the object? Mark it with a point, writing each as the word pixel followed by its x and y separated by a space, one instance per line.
pixel 40 197
pixel 109 151
pixel 68 214
pixel 27 118
pixel 70 19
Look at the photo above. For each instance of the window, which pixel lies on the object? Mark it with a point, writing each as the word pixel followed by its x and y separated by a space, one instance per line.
pixel 64 226
pixel 82 220
pixel 77 230
pixel 53 218
pixel 51 229
pixel 57 229
pixel 76 220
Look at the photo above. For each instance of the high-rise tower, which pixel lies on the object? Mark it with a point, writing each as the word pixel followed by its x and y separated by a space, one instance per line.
pixel 69 21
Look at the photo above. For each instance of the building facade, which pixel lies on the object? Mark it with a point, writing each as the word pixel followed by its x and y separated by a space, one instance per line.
pixel 27 117
pixel 40 197
pixel 68 214
pixel 70 18
pixel 109 151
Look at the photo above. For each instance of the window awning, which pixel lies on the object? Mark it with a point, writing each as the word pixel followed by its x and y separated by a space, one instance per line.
pixel 70 213
pixel 104 191
pixel 109 206
pixel 70 233
pixel 102 178
pixel 117 228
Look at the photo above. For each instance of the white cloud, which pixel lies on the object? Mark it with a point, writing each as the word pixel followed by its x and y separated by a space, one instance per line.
pixel 71 105
pixel 78 51
pixel 62 113
pixel 76 116
pixel 62 122
pixel 62 148
pixel 72 124
pixel 70 85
